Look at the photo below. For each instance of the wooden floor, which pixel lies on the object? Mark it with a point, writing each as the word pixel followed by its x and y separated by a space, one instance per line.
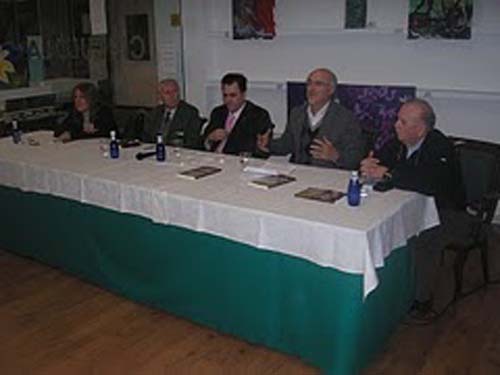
pixel 53 323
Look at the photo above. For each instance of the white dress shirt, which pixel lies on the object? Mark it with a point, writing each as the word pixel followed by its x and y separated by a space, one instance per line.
pixel 315 119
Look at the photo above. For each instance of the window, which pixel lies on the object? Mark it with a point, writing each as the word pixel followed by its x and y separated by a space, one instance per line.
pixel 42 39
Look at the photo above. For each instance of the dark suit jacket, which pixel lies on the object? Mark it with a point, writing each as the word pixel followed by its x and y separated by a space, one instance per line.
pixel 103 121
pixel 253 120
pixel 432 170
pixel 338 125
pixel 186 120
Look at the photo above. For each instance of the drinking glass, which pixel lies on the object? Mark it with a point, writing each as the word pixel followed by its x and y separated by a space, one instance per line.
pixel 177 142
pixel 366 185
pixel 244 158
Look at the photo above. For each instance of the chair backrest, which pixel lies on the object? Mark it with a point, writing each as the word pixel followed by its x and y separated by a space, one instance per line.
pixel 480 168
pixel 130 121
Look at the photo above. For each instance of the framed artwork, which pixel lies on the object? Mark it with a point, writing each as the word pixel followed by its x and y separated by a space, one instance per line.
pixel 253 19
pixel 440 19
pixel 13 66
pixel 355 14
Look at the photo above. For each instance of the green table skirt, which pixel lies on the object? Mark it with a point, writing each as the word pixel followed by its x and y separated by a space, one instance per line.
pixel 279 301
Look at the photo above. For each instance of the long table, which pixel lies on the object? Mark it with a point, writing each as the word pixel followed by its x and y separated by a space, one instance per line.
pixel 325 282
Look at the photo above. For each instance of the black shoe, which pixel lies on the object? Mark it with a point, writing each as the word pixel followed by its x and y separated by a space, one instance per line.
pixel 422 311
pixel 421 306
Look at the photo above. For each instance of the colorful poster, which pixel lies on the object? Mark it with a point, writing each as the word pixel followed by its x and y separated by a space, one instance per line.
pixel 253 19
pixel 13 66
pixel 376 107
pixel 445 19
pixel 355 14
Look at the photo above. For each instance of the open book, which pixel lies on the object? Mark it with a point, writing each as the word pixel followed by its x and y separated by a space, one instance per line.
pixel 322 195
pixel 270 181
pixel 199 172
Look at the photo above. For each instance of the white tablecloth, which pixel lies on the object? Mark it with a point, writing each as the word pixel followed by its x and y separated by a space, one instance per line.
pixel 354 240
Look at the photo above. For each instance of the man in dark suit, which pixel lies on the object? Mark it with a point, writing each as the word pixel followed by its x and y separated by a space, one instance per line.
pixel 422 159
pixel 179 122
pixel 234 126
pixel 320 132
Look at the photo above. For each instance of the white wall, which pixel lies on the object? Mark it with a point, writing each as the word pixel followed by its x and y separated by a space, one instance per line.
pixel 168 40
pixel 460 78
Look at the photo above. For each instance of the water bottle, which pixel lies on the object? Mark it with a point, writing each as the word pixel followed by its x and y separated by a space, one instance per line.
pixel 160 148
pixel 114 148
pixel 354 190
pixel 16 132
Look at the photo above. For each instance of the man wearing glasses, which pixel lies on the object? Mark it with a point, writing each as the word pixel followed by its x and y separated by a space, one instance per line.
pixel 320 132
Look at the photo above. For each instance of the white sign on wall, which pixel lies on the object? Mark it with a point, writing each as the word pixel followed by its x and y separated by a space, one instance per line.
pixel 98 23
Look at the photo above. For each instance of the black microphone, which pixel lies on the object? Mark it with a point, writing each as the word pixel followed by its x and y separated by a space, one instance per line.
pixel 144 155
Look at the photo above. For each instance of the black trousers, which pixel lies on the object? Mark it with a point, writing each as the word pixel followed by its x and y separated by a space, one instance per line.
pixel 455 226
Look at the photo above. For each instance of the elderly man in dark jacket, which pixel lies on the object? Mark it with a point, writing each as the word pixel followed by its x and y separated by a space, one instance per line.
pixel 422 159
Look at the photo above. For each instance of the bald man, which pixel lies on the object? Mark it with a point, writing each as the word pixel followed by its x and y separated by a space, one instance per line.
pixel 422 159
pixel 320 132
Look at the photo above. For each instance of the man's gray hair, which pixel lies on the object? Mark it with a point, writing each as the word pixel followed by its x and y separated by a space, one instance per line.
pixel 332 75
pixel 171 81
pixel 428 115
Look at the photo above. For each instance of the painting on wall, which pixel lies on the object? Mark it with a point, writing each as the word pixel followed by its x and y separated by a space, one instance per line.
pixel 440 19
pixel 254 19
pixel 355 14
pixel 375 106
pixel 13 66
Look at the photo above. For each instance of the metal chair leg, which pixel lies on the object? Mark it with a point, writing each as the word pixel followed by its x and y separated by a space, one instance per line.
pixel 459 265
pixel 484 261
